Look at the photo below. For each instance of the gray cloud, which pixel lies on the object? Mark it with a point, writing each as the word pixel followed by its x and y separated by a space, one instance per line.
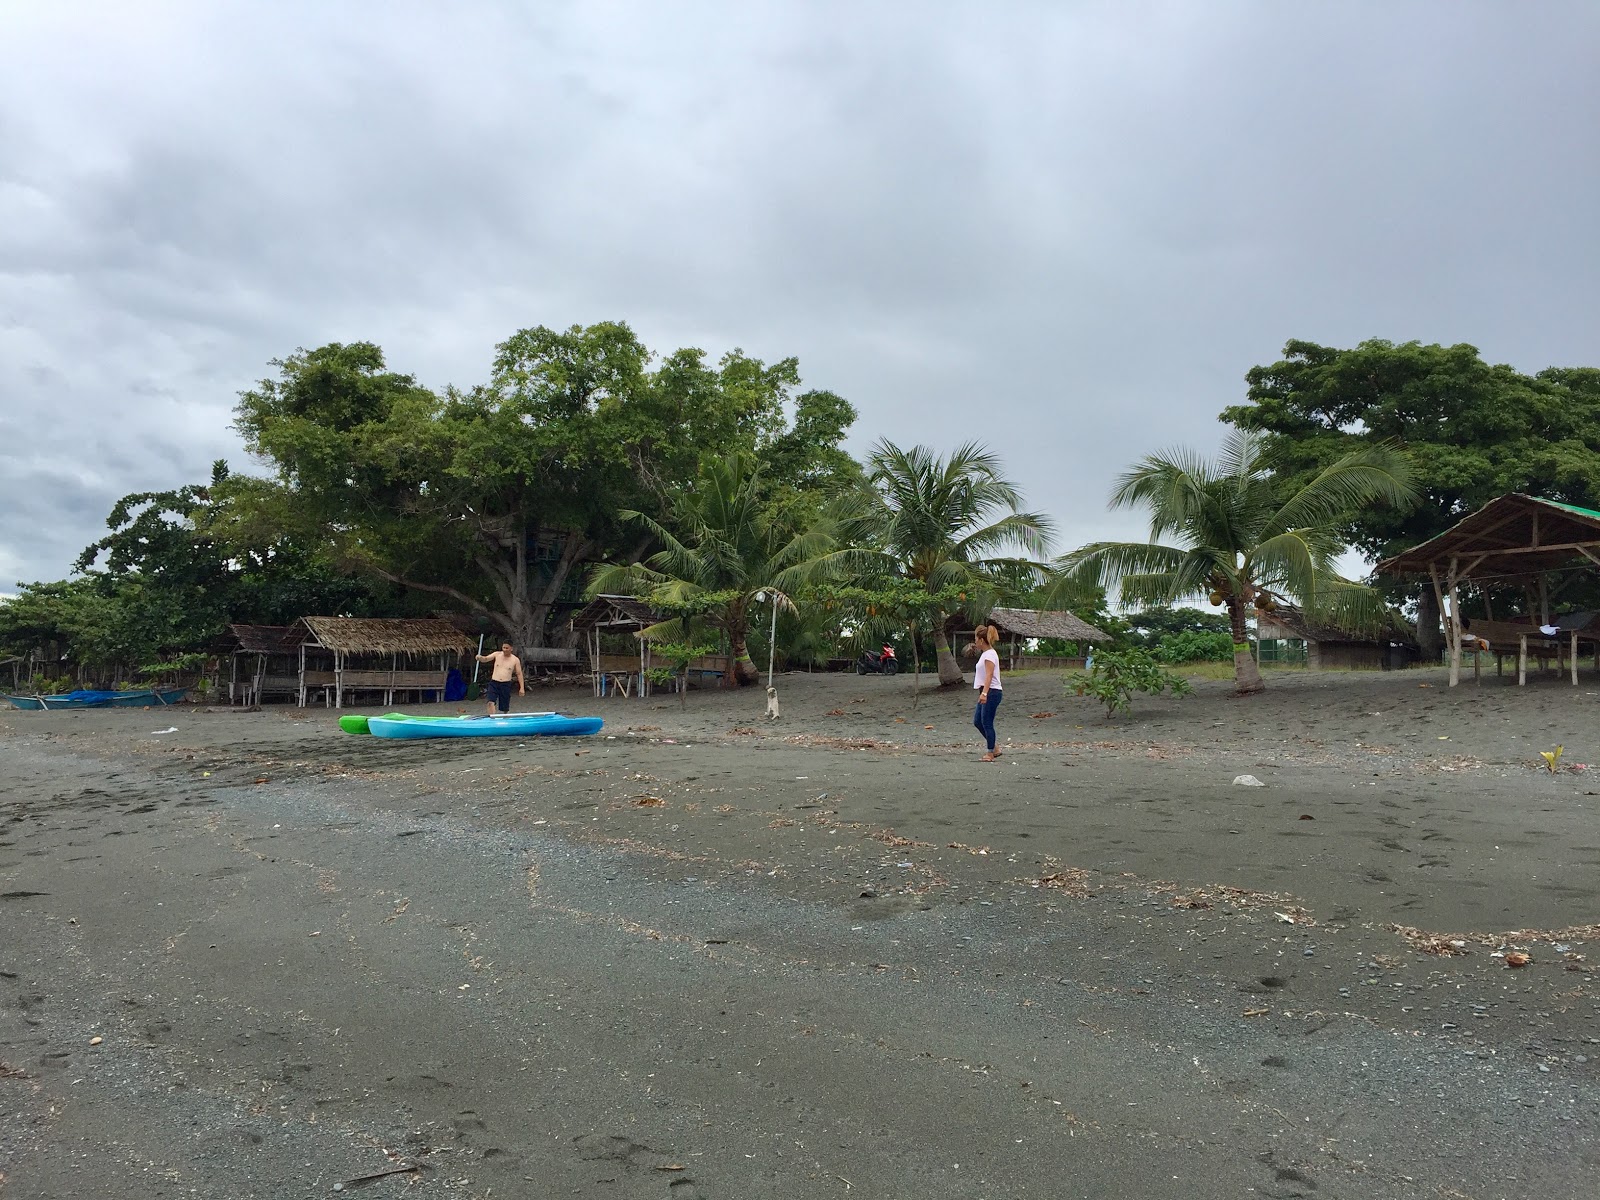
pixel 1066 230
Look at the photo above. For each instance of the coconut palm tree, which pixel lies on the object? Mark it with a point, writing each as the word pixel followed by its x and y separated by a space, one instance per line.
pixel 722 546
pixel 945 523
pixel 1243 537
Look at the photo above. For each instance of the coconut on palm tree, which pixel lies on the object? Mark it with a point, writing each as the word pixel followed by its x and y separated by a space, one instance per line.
pixel 946 523
pixel 722 545
pixel 1242 537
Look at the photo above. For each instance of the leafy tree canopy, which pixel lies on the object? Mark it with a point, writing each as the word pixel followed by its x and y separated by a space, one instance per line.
pixel 499 494
pixel 1234 531
pixel 1472 431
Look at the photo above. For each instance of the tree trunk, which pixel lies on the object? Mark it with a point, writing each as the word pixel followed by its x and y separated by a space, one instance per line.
pixel 744 670
pixel 1246 675
pixel 949 670
pixel 539 606
pixel 1430 641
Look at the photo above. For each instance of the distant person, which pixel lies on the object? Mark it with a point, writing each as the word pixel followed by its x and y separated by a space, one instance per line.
pixel 507 666
pixel 986 679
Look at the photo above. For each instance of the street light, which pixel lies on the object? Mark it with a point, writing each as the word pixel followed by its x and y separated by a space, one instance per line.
pixel 772 641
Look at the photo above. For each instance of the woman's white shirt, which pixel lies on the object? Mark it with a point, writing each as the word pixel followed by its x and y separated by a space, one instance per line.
pixel 978 676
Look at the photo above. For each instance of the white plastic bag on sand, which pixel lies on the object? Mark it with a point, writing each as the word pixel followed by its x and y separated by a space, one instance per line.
pixel 159 732
pixel 1247 781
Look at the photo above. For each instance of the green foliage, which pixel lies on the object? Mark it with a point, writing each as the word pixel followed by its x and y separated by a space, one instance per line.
pixel 948 524
pixel 1244 537
pixel 1118 674
pixel 500 496
pixel 723 544
pixel 677 656
pixel 1150 626
pixel 1190 645
pixel 1473 431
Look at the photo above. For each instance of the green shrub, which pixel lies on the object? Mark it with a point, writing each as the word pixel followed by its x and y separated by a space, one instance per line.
pixel 1118 674
pixel 1194 646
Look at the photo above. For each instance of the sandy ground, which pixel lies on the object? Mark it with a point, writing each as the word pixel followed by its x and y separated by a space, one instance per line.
pixel 704 955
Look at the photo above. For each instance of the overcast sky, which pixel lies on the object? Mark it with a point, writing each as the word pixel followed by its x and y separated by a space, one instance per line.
pixel 1065 229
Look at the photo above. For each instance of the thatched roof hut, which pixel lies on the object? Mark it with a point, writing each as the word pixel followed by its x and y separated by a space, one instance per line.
pixel 261 639
pixel 1043 623
pixel 344 655
pixel 409 637
pixel 264 660
pixel 1513 538
pixel 1393 644
pixel 614 614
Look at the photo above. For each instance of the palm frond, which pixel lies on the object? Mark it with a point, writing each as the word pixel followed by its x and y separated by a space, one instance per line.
pixel 1379 474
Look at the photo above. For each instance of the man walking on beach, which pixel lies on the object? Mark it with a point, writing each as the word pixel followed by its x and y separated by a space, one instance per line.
pixel 507 666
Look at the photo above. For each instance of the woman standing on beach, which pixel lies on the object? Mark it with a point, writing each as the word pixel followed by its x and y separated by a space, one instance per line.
pixel 986 679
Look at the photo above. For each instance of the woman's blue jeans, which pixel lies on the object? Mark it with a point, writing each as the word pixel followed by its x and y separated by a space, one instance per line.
pixel 983 716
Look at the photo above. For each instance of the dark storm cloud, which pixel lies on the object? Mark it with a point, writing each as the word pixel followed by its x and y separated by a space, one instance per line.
pixel 1065 230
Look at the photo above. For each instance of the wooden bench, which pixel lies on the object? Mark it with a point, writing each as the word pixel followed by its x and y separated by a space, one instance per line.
pixel 1507 637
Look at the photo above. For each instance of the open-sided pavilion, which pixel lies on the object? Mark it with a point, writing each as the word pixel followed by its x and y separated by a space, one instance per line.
pixel 1019 625
pixel 1515 540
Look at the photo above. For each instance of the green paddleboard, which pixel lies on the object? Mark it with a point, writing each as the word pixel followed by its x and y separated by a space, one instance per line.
pixel 359 724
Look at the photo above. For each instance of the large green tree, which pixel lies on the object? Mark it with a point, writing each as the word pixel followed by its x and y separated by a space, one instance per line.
pixel 1472 430
pixel 498 496
pixel 725 543
pixel 952 523
pixel 1235 531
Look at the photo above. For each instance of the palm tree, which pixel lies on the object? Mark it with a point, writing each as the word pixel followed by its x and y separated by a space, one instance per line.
pixel 946 524
pixel 722 546
pixel 1244 537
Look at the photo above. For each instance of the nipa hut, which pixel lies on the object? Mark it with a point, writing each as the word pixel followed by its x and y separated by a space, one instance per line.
pixel 341 656
pixel 1286 634
pixel 265 662
pixel 1514 541
pixel 1019 625
pixel 605 616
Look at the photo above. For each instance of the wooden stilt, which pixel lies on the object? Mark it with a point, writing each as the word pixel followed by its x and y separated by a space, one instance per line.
pixel 1522 660
pixel 1455 626
pixel 1574 659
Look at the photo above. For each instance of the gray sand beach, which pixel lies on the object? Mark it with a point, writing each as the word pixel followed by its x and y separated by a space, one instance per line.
pixel 705 955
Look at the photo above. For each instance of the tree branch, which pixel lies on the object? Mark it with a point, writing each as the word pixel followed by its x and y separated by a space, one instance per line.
pixel 444 590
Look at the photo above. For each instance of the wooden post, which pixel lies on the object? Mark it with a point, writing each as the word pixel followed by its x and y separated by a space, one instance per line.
pixel 1574 658
pixel 1522 660
pixel 1454 625
pixel 1438 596
pixel 302 674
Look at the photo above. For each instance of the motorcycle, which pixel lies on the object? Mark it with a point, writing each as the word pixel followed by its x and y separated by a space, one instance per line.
pixel 878 662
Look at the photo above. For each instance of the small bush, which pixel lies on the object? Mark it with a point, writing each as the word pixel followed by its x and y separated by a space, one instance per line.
pixel 1194 646
pixel 1118 674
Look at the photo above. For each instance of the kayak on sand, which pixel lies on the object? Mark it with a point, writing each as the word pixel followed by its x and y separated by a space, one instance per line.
pixel 358 724
pixel 513 725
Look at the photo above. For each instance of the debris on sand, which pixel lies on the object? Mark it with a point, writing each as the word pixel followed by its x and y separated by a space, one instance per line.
pixel 1247 781
pixel 1074 881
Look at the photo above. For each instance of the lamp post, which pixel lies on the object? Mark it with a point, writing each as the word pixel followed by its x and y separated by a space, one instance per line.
pixel 772 640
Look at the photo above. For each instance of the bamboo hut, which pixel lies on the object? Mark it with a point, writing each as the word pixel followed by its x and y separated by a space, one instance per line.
pixel 1020 625
pixel 606 615
pixel 340 656
pixel 1518 541
pixel 265 662
pixel 1286 633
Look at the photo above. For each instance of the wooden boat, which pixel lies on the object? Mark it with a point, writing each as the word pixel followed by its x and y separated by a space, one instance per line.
pixel 512 725
pixel 358 724
pixel 137 698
